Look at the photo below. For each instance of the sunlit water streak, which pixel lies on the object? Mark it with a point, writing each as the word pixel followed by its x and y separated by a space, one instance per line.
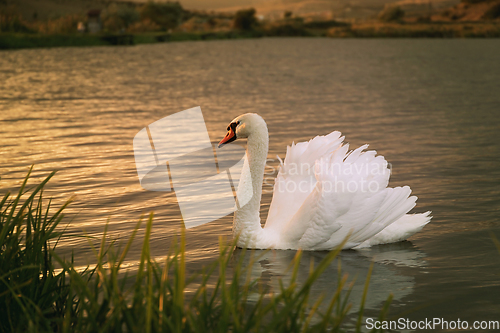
pixel 430 106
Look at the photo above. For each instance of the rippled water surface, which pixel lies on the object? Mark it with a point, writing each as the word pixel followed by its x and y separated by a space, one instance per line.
pixel 431 107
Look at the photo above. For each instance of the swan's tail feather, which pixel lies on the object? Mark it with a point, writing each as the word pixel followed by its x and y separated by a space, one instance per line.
pixel 400 230
pixel 396 204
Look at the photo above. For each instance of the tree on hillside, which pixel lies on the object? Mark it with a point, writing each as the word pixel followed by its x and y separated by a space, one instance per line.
pixel 245 19
pixel 475 1
pixel 167 15
pixel 493 12
pixel 391 14
pixel 119 16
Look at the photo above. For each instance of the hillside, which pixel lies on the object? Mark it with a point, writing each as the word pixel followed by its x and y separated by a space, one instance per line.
pixel 347 9
pixel 343 9
pixel 49 9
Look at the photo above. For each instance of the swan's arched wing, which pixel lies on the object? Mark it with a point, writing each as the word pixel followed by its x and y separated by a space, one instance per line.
pixel 296 178
pixel 302 156
pixel 348 197
pixel 349 190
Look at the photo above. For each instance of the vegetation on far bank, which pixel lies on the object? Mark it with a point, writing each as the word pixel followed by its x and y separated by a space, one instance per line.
pixel 35 296
pixel 418 30
pixel 129 23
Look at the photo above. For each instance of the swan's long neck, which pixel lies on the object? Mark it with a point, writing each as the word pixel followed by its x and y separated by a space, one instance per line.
pixel 246 223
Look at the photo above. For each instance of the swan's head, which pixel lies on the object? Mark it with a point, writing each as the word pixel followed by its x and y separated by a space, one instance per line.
pixel 242 127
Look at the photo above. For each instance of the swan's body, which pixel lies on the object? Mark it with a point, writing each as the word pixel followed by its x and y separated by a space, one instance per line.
pixel 323 194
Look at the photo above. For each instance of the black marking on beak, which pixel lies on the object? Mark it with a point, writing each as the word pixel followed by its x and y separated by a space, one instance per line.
pixel 231 134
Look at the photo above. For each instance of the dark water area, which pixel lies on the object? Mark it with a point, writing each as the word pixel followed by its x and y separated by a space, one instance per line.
pixel 431 107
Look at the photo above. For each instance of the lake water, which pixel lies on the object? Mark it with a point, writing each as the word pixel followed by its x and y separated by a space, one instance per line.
pixel 431 107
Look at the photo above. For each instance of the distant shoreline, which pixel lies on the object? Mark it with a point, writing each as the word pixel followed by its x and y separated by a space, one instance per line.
pixel 131 23
pixel 9 41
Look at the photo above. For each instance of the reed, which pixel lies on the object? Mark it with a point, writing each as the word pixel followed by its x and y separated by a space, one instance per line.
pixel 35 297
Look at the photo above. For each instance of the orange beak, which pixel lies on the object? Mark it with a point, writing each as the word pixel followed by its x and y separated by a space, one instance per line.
pixel 230 137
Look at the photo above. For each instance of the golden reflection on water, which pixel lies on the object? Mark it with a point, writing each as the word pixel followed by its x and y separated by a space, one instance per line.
pixel 430 107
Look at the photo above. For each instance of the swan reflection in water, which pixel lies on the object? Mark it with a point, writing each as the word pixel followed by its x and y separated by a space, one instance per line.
pixel 388 276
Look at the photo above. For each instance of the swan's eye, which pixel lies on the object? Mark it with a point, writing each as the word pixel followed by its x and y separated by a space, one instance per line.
pixel 233 126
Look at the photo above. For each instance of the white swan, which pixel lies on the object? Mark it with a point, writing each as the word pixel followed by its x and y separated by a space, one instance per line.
pixel 322 194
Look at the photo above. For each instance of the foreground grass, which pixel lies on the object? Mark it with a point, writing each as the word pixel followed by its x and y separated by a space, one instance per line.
pixel 37 297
